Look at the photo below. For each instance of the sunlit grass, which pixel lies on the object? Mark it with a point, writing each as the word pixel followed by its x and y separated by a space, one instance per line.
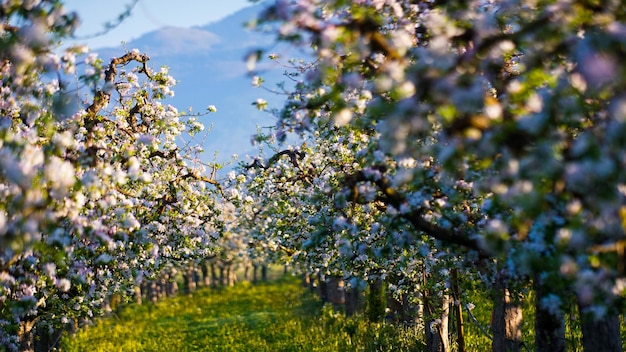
pixel 281 316
pixel 276 316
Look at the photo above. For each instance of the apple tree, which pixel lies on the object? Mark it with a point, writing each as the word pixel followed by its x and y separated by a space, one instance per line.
pixel 101 183
pixel 512 115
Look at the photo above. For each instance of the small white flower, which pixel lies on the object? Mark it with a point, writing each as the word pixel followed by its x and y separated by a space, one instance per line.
pixel 260 104
pixel 90 71
pixel 63 285
pixel 342 117
pixel 61 173
pixel 133 167
pixel 340 223
pixel 63 139
pixel 50 269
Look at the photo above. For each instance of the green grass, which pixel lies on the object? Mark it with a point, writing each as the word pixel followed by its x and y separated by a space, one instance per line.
pixel 277 316
pixel 280 316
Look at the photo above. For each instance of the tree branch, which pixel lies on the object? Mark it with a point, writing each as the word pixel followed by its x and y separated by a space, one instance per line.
pixel 102 98
pixel 415 217
pixel 208 180
pixel 294 157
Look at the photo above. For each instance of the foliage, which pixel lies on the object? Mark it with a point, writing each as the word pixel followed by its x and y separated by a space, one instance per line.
pixel 275 316
pixel 99 186
pixel 480 135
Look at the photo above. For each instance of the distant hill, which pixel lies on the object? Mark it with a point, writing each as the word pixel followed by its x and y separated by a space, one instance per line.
pixel 208 63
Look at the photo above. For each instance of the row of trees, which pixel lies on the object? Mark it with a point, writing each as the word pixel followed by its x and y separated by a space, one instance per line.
pixel 484 138
pixel 101 182
pixel 438 139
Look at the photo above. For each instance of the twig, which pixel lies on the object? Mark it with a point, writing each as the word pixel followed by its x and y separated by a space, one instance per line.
pixel 478 324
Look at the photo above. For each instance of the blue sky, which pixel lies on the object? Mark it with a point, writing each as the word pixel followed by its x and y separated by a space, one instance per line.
pixel 218 79
pixel 148 15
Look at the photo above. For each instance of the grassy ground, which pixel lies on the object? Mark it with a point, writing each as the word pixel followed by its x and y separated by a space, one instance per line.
pixel 278 316
pixel 275 316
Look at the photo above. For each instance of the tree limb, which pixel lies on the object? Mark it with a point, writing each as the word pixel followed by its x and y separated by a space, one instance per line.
pixel 102 98
pixel 294 156
pixel 414 217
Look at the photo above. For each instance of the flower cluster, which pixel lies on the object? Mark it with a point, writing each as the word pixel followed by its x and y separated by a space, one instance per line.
pixel 474 129
pixel 97 190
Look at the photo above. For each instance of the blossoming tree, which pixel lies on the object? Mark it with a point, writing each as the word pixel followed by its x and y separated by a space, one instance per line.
pixel 493 129
pixel 101 181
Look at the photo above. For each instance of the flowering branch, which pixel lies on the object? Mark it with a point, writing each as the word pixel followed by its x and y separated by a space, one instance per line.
pixel 294 156
pixel 415 217
pixel 103 96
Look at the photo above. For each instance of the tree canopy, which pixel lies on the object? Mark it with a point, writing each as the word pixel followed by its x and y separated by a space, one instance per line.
pixel 100 184
pixel 420 138
pixel 483 135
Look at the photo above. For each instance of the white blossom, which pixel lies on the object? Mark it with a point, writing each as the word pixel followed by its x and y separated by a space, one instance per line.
pixel 61 173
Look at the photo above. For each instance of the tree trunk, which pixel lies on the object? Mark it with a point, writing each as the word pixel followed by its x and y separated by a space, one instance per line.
pixel 322 288
pixel 507 320
pixel 196 275
pixel 171 288
pixel 376 301
pixel 47 339
pixel 264 272
pixel 190 282
pixel 145 290
pixel 246 272
pixel 601 334
pixel 206 278
pixel 352 301
pixel 153 294
pixel 50 340
pixel 437 312
pixel 137 292
pixel 229 275
pixel 549 327
pixel 336 294
pixel 26 337
pixel 400 309
pixel 444 332
pixel 213 276
pixel 222 275
pixel 163 283
pixel 458 311
pixel 232 275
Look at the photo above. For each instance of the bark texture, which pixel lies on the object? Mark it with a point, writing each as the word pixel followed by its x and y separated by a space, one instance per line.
pixel 26 336
pixel 437 313
pixel 601 334
pixel 507 321
pixel 458 311
pixel 336 293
